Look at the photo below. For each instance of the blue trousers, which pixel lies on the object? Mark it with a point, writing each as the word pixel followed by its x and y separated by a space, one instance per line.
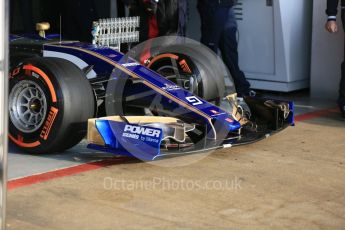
pixel 218 32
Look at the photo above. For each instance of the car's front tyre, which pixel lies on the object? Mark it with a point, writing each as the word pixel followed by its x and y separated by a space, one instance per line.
pixel 50 101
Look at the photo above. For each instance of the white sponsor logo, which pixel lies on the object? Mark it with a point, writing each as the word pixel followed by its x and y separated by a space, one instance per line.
pixel 131 135
pixel 194 100
pixel 171 87
pixel 137 130
pixel 35 75
pixel 130 64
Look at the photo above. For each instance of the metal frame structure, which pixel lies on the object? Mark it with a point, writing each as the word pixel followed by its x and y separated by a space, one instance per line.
pixel 4 31
pixel 112 32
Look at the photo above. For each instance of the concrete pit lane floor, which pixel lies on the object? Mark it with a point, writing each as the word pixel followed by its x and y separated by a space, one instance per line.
pixel 292 180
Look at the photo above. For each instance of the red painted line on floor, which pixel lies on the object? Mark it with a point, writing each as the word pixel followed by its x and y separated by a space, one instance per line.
pixel 39 178
pixel 316 114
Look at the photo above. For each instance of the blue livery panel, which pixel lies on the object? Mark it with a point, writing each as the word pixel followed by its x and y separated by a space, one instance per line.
pixel 135 140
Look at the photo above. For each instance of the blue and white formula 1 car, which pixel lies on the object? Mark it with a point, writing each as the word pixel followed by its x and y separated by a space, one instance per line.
pixel 61 91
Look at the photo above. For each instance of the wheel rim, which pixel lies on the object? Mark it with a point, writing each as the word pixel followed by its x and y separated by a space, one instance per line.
pixel 28 106
pixel 190 83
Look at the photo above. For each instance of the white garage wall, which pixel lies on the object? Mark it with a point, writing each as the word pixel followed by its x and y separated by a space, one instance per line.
pixel 327 55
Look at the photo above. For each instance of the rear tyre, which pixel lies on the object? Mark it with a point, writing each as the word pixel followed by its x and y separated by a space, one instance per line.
pixel 50 102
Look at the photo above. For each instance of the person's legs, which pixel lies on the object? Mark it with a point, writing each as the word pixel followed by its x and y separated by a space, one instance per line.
pixel 228 46
pixel 183 17
pixel 211 26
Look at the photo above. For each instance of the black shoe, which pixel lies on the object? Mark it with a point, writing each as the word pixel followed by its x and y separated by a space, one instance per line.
pixel 250 93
